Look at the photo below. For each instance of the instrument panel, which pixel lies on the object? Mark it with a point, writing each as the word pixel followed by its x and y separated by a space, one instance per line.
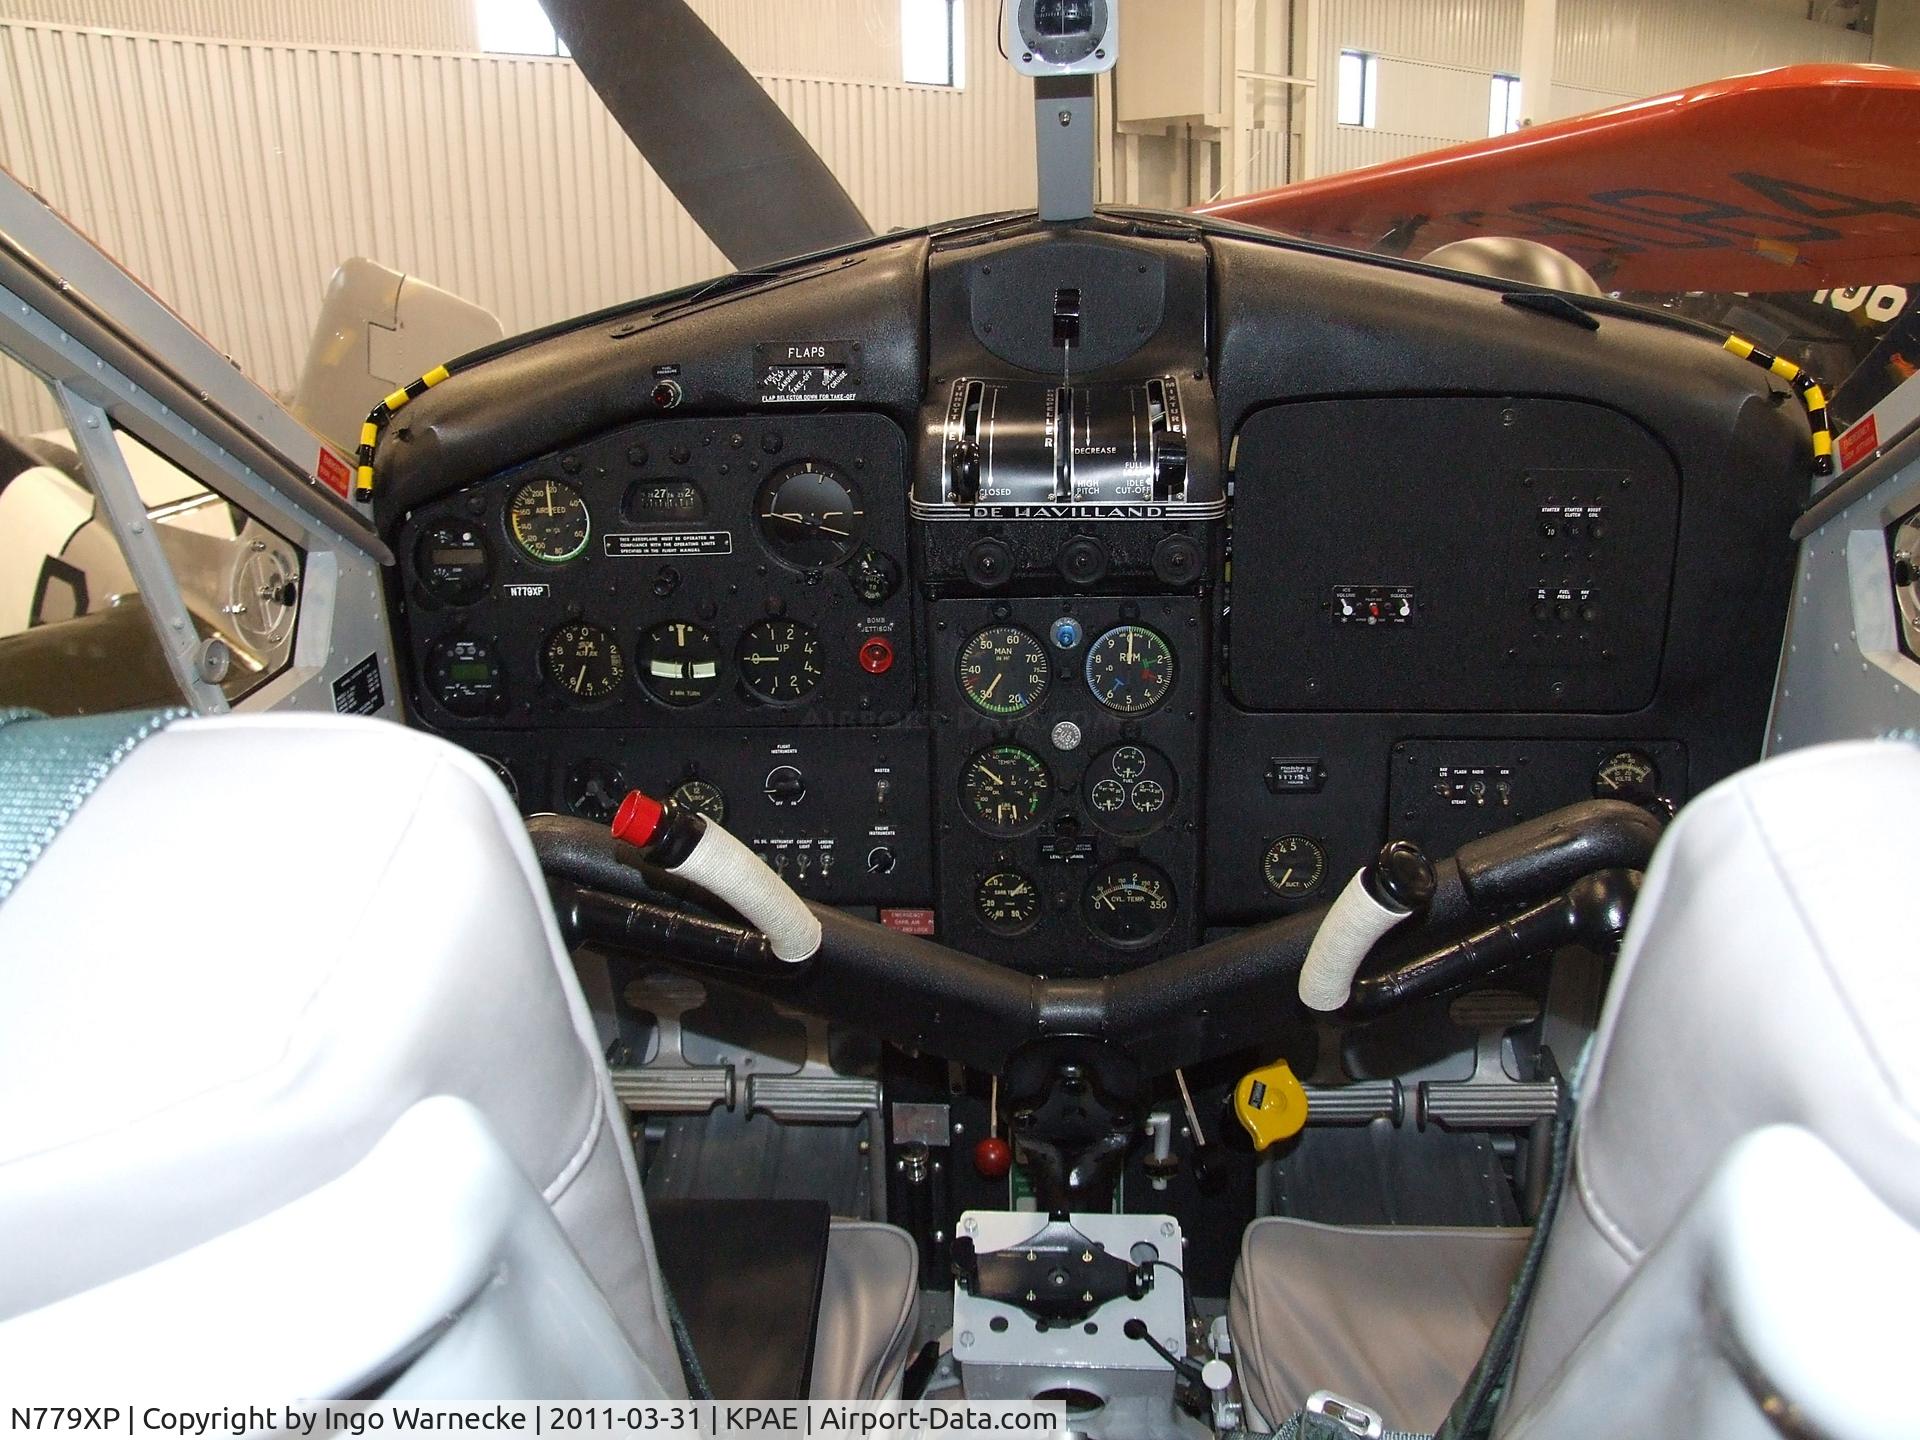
pixel 1083 620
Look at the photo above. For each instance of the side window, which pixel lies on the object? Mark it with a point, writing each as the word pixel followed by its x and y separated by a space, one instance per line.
pixel 77 637
pixel 239 579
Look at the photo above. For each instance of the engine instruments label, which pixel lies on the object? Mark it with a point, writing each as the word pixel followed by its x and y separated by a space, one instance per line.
pixel 808 372
pixel 653 545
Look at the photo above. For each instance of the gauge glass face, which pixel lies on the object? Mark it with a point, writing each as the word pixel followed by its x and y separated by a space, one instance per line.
pixel 595 789
pixel 454 563
pixel 1627 775
pixel 1129 903
pixel 584 661
pixel 1130 789
pixel 702 797
pixel 1294 866
pixel 780 660
pixel 465 676
pixel 504 775
pixel 679 662
pixel 808 515
pixel 1130 669
pixel 548 519
pixel 1004 788
pixel 1004 671
pixel 1007 902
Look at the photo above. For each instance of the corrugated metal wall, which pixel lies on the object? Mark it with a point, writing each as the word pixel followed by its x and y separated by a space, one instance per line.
pixel 233 176
pixel 408 25
pixel 1438 58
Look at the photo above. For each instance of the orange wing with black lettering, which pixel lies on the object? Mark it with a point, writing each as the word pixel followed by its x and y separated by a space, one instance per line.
pixel 1792 179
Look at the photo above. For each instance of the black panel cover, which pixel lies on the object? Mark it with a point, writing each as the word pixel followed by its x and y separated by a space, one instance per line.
pixel 1449 553
pixel 746 1275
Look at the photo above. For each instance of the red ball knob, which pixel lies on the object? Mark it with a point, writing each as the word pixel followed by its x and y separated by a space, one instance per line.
pixel 993 1157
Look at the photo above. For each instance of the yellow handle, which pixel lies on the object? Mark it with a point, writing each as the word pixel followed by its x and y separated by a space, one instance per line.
pixel 1270 1103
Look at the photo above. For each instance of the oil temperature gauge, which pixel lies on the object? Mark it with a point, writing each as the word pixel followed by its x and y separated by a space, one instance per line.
pixel 1007 902
pixel 1129 903
pixel 1004 788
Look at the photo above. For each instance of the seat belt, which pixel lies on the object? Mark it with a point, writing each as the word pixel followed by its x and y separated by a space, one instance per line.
pixel 1332 1417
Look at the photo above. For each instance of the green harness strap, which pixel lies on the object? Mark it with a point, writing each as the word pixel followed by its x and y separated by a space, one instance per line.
pixel 49 767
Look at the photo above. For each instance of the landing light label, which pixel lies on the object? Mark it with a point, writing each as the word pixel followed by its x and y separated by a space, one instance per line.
pixel 807 372
pixel 651 546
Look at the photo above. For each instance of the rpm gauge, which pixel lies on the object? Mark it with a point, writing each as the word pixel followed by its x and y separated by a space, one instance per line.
pixel 1130 669
pixel 780 660
pixel 584 661
pixel 1003 671
pixel 1007 902
pixel 1004 788
pixel 548 520
pixel 1128 903
pixel 809 515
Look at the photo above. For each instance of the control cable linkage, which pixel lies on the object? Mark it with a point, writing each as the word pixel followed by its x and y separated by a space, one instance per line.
pixel 1074 1056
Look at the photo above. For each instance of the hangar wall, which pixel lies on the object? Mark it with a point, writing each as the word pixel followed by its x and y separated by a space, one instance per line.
pixel 1438 59
pixel 233 175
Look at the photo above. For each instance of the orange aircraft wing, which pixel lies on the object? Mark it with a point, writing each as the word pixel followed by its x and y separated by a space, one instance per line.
pixel 1794 179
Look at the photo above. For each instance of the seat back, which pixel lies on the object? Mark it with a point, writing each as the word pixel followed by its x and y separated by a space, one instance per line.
pixel 249 951
pixel 430 1270
pixel 1769 977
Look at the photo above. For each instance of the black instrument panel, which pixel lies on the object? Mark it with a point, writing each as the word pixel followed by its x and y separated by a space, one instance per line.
pixel 1467 563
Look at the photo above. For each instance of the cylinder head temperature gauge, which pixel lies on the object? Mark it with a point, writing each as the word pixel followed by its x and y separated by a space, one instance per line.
pixel 1129 903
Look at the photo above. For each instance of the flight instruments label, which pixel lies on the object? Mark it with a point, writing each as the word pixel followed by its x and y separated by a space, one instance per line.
pixel 808 372
pixel 646 545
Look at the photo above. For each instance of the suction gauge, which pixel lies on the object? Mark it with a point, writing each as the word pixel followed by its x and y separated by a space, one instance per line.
pixel 1294 866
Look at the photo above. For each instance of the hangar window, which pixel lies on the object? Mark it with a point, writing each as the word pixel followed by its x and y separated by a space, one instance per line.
pixel 75 636
pixel 1359 96
pixel 1503 105
pixel 515 27
pixel 933 42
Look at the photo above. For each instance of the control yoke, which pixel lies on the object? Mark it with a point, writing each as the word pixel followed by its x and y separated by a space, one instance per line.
pixel 1568 877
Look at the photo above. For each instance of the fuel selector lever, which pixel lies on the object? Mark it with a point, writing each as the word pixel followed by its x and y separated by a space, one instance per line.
pixel 1398 883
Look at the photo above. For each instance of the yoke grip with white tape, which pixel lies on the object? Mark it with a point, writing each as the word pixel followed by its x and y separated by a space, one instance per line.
pixel 1398 883
pixel 695 849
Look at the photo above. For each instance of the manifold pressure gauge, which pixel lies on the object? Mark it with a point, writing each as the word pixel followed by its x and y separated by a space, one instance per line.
pixel 1004 671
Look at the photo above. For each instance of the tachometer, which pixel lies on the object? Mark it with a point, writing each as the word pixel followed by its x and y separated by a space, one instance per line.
pixel 780 660
pixel 583 660
pixel 1007 902
pixel 1128 903
pixel 1003 671
pixel 809 515
pixel 1130 669
pixel 679 662
pixel 1004 788
pixel 548 519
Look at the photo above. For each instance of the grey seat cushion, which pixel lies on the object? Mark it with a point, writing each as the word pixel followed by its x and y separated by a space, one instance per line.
pixel 1391 1316
pixel 869 1305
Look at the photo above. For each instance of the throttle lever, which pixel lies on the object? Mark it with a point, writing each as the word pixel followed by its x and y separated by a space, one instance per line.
pixel 1399 882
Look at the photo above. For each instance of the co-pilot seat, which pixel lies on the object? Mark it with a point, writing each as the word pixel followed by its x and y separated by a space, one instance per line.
pixel 1741 1215
pixel 257 944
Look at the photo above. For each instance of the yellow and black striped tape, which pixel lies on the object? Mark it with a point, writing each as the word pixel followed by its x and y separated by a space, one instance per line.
pixel 376 421
pixel 1805 386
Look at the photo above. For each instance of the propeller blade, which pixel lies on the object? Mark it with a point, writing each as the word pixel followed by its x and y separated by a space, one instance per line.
pixel 714 137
